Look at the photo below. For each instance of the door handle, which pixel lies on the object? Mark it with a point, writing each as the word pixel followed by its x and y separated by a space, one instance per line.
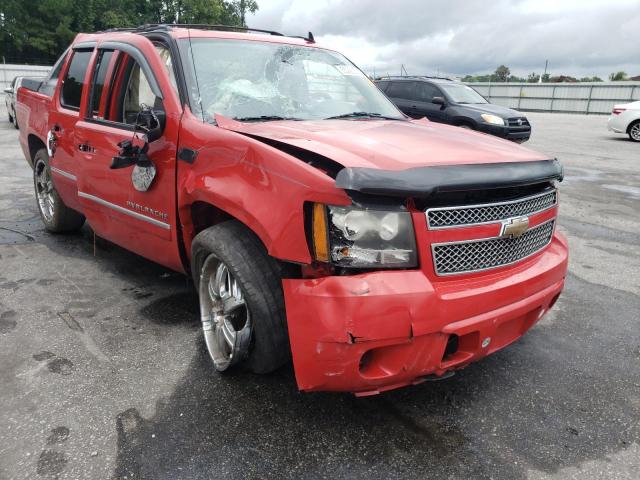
pixel 86 148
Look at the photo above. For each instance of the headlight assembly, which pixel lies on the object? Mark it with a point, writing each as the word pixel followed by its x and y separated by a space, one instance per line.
pixel 360 238
pixel 493 119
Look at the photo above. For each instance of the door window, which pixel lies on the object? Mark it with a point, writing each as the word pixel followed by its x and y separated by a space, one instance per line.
pixel 402 89
pixel 120 88
pixel 426 92
pixel 74 79
pixel 382 85
pixel 167 61
pixel 138 93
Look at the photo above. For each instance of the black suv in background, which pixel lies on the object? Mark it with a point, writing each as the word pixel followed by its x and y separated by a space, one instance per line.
pixel 445 101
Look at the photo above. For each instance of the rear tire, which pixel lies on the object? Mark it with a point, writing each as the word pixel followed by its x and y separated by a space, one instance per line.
pixel 10 118
pixel 634 131
pixel 231 268
pixel 56 216
pixel 15 121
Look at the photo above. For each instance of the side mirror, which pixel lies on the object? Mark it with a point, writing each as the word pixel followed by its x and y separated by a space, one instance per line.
pixel 151 121
pixel 130 155
pixel 438 101
pixel 8 90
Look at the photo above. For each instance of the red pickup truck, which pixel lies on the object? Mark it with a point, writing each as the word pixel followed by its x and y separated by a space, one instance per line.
pixel 318 222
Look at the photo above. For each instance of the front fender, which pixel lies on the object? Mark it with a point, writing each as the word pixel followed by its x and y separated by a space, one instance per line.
pixel 259 185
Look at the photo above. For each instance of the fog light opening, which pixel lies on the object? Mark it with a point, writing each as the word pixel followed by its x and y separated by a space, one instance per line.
pixel 451 348
pixel 365 360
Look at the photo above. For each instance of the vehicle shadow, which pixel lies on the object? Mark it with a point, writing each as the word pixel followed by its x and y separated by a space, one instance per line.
pixel 540 404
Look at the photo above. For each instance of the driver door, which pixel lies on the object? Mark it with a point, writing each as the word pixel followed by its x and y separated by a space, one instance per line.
pixel 143 221
pixel 424 106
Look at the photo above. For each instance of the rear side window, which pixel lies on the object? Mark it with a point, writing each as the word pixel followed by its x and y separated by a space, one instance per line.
pixel 49 85
pixel 74 80
pixel 404 90
pixel 104 62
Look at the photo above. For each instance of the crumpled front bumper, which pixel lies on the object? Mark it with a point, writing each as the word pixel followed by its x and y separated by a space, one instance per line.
pixel 381 330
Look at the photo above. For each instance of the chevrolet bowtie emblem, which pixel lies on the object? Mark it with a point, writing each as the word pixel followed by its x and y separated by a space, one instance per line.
pixel 514 227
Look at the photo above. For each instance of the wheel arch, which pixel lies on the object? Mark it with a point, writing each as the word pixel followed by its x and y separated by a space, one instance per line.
pixel 458 121
pixel 202 214
pixel 631 124
pixel 35 143
pixel 205 215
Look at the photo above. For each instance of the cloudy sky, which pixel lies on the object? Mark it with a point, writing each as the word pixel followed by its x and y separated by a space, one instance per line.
pixel 457 37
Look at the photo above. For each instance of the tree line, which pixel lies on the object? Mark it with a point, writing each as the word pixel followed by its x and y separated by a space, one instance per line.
pixel 38 31
pixel 503 74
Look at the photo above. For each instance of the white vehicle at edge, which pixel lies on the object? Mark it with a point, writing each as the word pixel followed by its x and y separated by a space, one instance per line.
pixel 625 118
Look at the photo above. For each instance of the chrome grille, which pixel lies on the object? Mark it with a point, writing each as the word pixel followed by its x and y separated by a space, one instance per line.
pixel 476 255
pixel 447 217
pixel 518 122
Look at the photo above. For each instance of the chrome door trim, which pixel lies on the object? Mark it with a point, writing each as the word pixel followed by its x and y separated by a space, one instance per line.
pixel 68 175
pixel 126 211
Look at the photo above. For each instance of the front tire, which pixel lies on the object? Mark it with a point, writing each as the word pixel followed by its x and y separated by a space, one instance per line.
pixel 634 131
pixel 56 216
pixel 241 300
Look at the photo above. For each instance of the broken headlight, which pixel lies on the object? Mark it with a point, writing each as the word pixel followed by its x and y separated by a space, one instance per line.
pixel 361 238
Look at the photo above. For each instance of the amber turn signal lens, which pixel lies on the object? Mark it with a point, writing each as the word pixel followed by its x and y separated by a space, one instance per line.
pixel 320 237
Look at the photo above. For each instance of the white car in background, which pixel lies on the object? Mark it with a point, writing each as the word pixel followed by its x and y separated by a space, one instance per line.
pixel 625 118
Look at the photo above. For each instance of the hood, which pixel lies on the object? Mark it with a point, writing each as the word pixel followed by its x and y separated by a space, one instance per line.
pixel 498 110
pixel 387 144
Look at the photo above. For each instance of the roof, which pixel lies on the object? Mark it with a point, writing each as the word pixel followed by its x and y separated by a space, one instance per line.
pixel 210 31
pixel 423 78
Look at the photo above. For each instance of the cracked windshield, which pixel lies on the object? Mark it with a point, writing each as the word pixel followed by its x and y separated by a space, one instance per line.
pixel 253 81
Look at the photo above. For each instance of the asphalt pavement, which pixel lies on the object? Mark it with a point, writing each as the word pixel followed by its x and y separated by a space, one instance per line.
pixel 103 373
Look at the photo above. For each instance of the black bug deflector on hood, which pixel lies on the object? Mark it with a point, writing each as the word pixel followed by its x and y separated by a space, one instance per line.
pixel 425 181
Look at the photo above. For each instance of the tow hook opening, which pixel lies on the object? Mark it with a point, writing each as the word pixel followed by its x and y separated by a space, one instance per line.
pixel 452 347
pixel 553 301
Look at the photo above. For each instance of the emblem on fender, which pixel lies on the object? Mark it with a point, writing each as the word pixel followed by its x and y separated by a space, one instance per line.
pixel 514 227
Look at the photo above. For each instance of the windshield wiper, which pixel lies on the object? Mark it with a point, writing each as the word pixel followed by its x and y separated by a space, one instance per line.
pixel 264 118
pixel 362 115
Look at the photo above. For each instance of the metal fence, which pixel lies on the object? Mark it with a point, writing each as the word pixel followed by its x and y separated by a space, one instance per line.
pixel 9 71
pixel 586 98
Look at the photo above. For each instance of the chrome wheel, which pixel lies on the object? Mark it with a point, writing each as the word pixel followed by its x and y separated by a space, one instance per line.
pixel 44 190
pixel 226 321
pixel 634 132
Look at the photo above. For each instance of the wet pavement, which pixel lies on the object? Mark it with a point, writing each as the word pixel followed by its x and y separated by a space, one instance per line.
pixel 103 373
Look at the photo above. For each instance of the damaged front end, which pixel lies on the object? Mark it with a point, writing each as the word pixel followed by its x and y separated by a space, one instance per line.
pixel 416 271
pixel 386 315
